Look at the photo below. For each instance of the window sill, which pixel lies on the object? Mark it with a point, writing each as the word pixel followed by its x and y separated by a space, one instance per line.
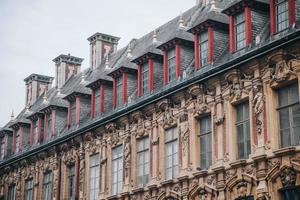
pixel 285 151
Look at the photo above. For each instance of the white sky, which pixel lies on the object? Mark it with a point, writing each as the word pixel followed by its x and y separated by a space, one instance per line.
pixel 33 32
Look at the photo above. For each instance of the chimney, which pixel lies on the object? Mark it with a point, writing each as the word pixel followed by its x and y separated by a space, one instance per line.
pixel 65 67
pixel 36 85
pixel 100 46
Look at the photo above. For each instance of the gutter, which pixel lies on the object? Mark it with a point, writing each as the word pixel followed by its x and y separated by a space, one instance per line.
pixel 250 55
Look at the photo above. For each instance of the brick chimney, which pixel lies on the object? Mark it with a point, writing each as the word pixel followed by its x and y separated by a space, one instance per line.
pixel 100 46
pixel 65 67
pixel 36 84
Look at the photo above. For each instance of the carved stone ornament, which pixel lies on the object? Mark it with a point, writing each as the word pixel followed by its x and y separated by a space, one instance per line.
pixel 281 71
pixel 69 157
pixel 185 133
pixel 219 120
pixel 288 177
pixel 236 84
pixel 258 106
pixel 168 118
pixel 201 106
pixel 202 194
pixel 242 189
pixel 127 155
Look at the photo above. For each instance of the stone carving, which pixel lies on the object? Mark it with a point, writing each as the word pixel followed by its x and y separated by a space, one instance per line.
pixel 202 194
pixel 185 133
pixel 242 189
pixel 219 120
pixel 258 106
pixel 288 177
pixel 69 157
pixel 168 118
pixel 127 156
pixel 201 106
pixel 147 196
pixel 211 180
pixel 281 71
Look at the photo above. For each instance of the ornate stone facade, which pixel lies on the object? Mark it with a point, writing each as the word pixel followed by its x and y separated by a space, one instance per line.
pixel 261 176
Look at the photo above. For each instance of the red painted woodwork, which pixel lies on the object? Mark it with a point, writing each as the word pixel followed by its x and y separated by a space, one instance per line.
pixel 102 98
pixel 115 93
pixel 139 82
pixel 231 35
pixel 93 104
pixel 69 115
pixel 45 126
pixel 21 139
pixel 39 121
pixel 248 25
pixel 14 140
pixel 77 113
pixel 165 68
pixel 196 51
pixel 124 84
pixel 31 133
pixel 272 17
pixel 177 60
pixel 210 44
pixel 53 121
pixel 150 79
pixel 292 14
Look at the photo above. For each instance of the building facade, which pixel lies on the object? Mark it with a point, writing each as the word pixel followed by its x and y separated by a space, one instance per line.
pixel 205 107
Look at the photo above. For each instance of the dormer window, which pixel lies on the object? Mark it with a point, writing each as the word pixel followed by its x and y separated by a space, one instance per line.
pixel 203 46
pixel 282 15
pixel 144 77
pixel 119 87
pixel 240 32
pixel 171 65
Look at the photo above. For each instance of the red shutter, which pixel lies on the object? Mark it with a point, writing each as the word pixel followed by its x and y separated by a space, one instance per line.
pixel 45 126
pixel 166 68
pixel 177 60
pixel 196 51
pixel 210 44
pixel 292 14
pixel 53 121
pixel 69 115
pixel 139 81
pixel 102 98
pixel 248 25
pixel 272 17
pixel 21 139
pixel 14 141
pixel 231 35
pixel 31 133
pixel 93 104
pixel 39 121
pixel 124 84
pixel 77 117
pixel 115 93
pixel 150 78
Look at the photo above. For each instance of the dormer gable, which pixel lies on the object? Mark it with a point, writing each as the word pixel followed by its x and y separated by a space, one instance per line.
pixel 124 84
pixel 210 38
pixel 149 73
pixel 247 18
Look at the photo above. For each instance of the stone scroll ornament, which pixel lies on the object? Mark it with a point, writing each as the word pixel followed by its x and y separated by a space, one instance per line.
pixel 258 106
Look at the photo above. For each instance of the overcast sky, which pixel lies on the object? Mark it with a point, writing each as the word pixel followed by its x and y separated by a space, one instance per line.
pixel 33 32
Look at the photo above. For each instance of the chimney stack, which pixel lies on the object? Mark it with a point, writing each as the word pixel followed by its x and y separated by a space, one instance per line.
pixel 101 45
pixel 36 85
pixel 65 67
